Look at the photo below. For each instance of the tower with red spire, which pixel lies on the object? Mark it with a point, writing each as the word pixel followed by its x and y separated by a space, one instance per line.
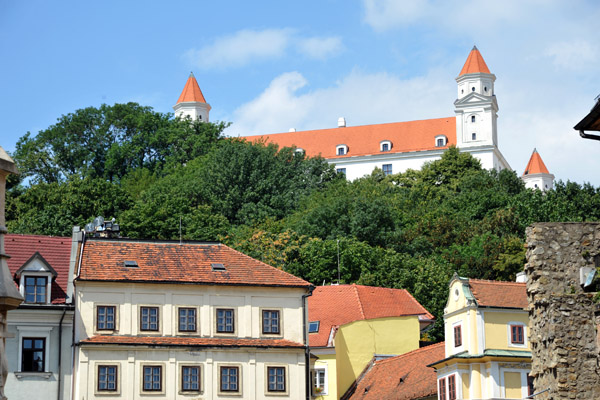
pixel 536 175
pixel 476 107
pixel 191 102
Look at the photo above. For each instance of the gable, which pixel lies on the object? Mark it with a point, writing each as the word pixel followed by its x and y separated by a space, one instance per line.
pixel 472 98
pixel 37 263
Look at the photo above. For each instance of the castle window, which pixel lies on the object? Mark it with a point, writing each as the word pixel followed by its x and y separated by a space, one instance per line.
pixel 441 141
pixel 473 136
pixel 457 336
pixel 472 118
pixel 485 88
pixel 385 145
pixel 452 387
pixel 442 389
pixel 341 149
pixel 473 89
pixel 516 334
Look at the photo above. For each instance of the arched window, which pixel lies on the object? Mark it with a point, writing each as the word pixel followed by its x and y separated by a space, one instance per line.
pixel 473 136
pixel 441 141
pixel 341 150
pixel 472 118
pixel 385 145
pixel 473 89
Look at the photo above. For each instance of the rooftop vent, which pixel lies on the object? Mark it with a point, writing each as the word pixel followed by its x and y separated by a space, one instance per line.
pixel 218 267
pixel 292 130
pixel 130 264
pixel 341 122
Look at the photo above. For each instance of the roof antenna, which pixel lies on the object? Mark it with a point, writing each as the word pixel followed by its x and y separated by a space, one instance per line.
pixel 180 237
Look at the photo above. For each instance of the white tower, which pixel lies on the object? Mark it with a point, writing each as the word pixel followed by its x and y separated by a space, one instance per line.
pixel 476 107
pixel 536 175
pixel 191 102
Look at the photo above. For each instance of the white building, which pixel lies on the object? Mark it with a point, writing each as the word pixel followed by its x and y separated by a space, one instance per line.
pixel 182 321
pixel 536 175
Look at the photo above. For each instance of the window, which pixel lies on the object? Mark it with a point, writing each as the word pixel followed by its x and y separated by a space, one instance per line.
pixel 225 320
pixel 33 355
pixel 341 171
pixel 107 378
pixel 472 118
pixel 35 289
pixel 385 147
pixel 451 387
pixel 530 387
pixel 442 388
pixel 313 326
pixel 473 136
pixel 319 381
pixel 270 321
pixel 187 320
pixel 473 89
pixel 276 379
pixel 149 319
pixel 457 336
pixel 230 379
pixel 105 318
pixel 341 151
pixel 152 378
pixel 440 143
pixel 387 169
pixel 190 378
pixel 516 334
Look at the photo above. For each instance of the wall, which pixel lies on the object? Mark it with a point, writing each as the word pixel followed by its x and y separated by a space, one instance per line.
pixel 328 362
pixel 562 317
pixel 497 329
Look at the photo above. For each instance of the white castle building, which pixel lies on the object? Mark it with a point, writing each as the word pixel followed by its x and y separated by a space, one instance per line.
pixel 396 147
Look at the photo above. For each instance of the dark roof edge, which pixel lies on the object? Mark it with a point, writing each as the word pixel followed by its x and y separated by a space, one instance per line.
pixel 309 285
pixel 476 357
pixel 59 306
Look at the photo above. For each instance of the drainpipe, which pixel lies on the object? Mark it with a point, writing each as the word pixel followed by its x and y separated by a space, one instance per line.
pixel 305 338
pixel 60 352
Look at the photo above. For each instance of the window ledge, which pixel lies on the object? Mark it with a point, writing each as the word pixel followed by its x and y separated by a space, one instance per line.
pixel 25 375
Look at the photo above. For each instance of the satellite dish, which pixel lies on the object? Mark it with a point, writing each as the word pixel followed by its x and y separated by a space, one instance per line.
pixel 89 227
pixel 98 221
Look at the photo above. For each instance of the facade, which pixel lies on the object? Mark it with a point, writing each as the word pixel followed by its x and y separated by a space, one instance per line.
pixel 403 377
pixel 349 324
pixel 536 175
pixel 182 321
pixel 396 147
pixel 39 351
pixel 487 352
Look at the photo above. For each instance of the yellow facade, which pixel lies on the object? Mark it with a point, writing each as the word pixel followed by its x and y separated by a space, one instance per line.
pixel 327 362
pixel 496 327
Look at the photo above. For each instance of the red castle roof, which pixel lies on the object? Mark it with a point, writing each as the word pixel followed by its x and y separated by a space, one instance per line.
pixel 474 64
pixel 191 91
pixel 535 165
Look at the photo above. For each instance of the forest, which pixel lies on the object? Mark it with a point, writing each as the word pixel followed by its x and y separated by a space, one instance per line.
pixel 155 173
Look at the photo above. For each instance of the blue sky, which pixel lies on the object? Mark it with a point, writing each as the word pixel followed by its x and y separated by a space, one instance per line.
pixel 267 66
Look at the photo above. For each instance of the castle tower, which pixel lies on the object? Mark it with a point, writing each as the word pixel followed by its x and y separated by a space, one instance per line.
pixel 536 175
pixel 191 102
pixel 476 107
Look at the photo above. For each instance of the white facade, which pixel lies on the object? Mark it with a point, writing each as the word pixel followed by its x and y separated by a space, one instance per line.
pixel 540 181
pixel 193 109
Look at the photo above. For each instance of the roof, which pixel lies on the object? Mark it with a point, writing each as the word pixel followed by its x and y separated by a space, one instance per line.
pixel 189 341
pixel 535 165
pixel 590 122
pixel 364 140
pixel 338 305
pixel 499 294
pixel 172 262
pixel 487 354
pixel 54 249
pixel 474 64
pixel 191 91
pixel 403 377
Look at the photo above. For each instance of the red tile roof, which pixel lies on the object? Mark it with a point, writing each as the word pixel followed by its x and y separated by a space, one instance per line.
pixel 535 165
pixel 337 305
pixel 55 250
pixel 499 294
pixel 191 91
pixel 474 64
pixel 171 262
pixel 190 341
pixel 404 377
pixel 364 140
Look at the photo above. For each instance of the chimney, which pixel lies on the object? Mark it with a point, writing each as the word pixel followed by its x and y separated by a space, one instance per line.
pixel 341 122
pixel 292 130
pixel 521 277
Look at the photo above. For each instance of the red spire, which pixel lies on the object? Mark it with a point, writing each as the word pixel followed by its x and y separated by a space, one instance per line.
pixel 474 63
pixel 191 91
pixel 535 165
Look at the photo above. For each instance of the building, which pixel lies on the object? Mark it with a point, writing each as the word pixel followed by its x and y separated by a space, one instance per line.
pixel 403 377
pixel 396 147
pixel 350 324
pixel 536 175
pixel 487 352
pixel 186 320
pixel 191 102
pixel 39 351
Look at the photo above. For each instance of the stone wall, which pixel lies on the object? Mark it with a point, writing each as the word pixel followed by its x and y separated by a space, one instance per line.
pixel 563 319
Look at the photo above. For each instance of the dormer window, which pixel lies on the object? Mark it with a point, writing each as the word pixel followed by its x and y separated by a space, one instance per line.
pixel 299 151
pixel 385 145
pixel 341 150
pixel 35 280
pixel 441 141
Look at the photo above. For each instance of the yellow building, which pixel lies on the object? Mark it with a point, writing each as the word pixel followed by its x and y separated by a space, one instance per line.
pixel 186 321
pixel 350 324
pixel 487 347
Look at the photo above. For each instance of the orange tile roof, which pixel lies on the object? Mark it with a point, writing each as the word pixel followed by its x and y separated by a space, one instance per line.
pixel 364 140
pixel 474 64
pixel 499 294
pixel 535 165
pixel 171 262
pixel 190 341
pixel 404 377
pixel 337 305
pixel 191 91
pixel 55 250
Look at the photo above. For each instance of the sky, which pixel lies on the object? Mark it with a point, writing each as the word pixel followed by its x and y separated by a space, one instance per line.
pixel 268 66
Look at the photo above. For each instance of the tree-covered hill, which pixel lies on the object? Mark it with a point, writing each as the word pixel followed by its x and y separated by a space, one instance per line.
pixel 411 230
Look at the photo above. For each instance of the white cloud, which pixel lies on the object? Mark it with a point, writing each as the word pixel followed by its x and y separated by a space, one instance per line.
pixel 572 55
pixel 320 48
pixel 385 14
pixel 241 48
